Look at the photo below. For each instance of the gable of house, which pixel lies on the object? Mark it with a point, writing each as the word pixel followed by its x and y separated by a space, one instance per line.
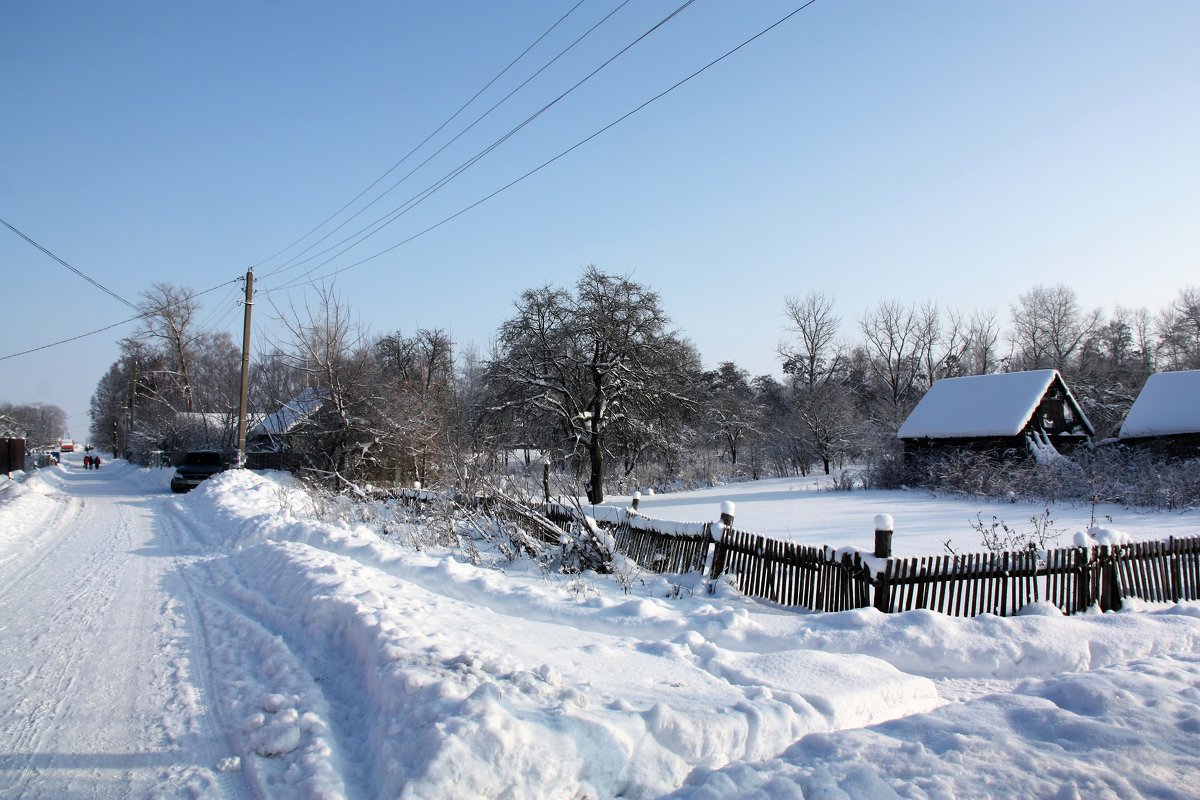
pixel 997 407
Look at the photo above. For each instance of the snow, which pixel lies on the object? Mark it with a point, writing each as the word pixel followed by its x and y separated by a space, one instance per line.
pixel 808 511
pixel 249 640
pixel 290 414
pixel 978 405
pixel 1166 405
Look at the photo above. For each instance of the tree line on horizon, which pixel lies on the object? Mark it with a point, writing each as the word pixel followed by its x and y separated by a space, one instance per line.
pixel 594 378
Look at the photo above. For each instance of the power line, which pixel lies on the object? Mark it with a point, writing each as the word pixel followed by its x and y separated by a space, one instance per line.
pixel 422 143
pixel 72 339
pixel 141 315
pixel 550 161
pixel 95 283
pixel 387 219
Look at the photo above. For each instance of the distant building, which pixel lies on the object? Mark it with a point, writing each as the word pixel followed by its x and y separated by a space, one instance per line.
pixel 291 427
pixel 1012 411
pixel 1165 418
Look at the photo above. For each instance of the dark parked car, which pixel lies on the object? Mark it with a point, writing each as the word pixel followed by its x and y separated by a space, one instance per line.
pixel 195 467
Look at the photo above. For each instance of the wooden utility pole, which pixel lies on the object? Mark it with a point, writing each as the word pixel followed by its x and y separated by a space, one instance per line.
pixel 241 452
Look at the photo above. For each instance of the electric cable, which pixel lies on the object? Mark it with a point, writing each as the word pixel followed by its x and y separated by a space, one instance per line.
pixel 421 144
pixel 87 278
pixel 382 222
pixel 140 315
pixel 550 161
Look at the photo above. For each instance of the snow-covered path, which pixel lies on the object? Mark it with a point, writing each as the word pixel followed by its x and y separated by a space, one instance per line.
pixel 99 693
pixel 255 639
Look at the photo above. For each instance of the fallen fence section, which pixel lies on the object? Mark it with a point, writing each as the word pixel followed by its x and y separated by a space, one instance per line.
pixel 817 578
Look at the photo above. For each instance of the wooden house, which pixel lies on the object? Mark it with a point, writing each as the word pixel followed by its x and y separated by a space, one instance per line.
pixel 292 427
pixel 1165 418
pixel 1008 412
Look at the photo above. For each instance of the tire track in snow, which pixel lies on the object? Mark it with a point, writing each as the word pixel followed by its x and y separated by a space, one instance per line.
pixel 263 680
pixel 92 698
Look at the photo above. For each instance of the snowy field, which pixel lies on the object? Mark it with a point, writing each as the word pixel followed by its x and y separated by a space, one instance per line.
pixel 809 511
pixel 244 641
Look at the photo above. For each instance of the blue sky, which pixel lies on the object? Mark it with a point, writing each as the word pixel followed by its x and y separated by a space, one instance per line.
pixel 961 152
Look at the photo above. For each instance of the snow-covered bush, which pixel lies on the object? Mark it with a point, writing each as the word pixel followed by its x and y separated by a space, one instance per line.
pixel 1100 475
pixel 999 537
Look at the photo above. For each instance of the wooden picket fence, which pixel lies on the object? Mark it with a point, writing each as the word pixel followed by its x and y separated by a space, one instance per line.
pixel 822 579
pixel 787 573
pixel 817 578
pixel 1072 579
pixel 664 553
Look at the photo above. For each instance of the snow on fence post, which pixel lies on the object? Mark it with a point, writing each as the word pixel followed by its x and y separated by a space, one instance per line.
pixel 637 498
pixel 727 509
pixel 883 535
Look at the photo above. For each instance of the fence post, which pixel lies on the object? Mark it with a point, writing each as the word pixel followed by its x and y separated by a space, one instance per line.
pixel 1110 587
pixel 883 589
pixel 727 509
pixel 883 535
pixel 546 479
pixel 1083 571
pixel 637 499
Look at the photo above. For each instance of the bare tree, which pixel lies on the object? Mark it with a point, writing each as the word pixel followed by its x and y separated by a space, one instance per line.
pixel 816 361
pixel 1179 331
pixel 39 423
pixel 168 313
pixel 330 351
pixel 587 361
pixel 417 374
pixel 815 356
pixel 1049 328
pixel 731 409
pixel 983 335
pixel 896 338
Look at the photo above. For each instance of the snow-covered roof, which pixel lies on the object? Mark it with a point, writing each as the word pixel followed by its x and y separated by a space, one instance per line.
pixel 290 414
pixel 1168 404
pixel 978 405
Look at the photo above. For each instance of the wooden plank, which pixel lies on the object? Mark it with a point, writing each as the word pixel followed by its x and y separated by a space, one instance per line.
pixel 1189 552
pixel 1144 573
pixel 1165 583
pixel 991 584
pixel 1053 578
pixel 1005 576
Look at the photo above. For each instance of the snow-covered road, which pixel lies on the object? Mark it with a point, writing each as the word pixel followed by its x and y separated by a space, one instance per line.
pixel 254 639
pixel 100 694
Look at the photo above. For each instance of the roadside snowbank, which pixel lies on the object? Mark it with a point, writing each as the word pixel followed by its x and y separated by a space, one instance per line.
pixel 348 661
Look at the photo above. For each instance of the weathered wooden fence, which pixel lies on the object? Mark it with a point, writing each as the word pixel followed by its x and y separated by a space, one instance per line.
pixel 817 578
pixel 1073 579
pixel 664 552
pixel 822 579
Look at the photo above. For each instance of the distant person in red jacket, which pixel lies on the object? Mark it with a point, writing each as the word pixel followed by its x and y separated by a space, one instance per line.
pixel 87 462
pixel 95 462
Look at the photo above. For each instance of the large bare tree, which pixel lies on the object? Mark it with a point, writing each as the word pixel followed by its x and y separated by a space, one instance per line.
pixel 587 361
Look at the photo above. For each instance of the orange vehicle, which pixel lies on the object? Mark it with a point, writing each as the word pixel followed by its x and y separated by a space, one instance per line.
pixel 66 446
